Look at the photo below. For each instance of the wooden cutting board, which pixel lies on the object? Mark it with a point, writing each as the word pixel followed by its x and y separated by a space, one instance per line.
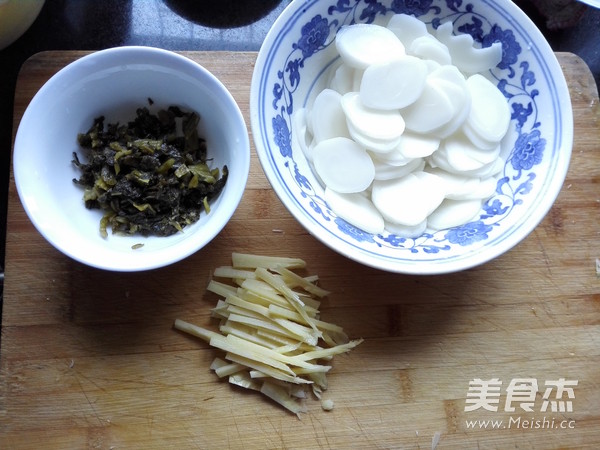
pixel 89 358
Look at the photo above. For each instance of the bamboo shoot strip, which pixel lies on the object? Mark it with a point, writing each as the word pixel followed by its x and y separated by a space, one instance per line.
pixel 281 396
pixel 245 333
pixel 221 289
pixel 253 295
pixel 237 301
pixel 233 273
pixel 194 330
pixel 267 369
pixel 266 354
pixel 224 368
pixel 244 380
pixel 281 339
pixel 292 297
pixel 228 345
pixel 306 285
pixel 304 334
pixel 247 261
pixel 264 324
pixel 326 352
pixel 291 315
pixel 269 332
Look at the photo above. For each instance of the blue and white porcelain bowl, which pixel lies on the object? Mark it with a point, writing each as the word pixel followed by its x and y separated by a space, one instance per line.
pixel 292 68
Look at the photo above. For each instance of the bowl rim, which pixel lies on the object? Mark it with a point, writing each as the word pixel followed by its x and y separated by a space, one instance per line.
pixel 286 22
pixel 139 55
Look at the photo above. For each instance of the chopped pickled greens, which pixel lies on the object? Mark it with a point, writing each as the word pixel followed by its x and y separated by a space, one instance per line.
pixel 150 176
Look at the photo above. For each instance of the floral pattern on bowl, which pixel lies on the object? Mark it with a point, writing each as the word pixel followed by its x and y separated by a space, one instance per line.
pixel 292 69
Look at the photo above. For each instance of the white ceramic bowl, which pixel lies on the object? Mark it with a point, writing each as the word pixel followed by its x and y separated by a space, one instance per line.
pixel 293 65
pixel 114 83
pixel 16 16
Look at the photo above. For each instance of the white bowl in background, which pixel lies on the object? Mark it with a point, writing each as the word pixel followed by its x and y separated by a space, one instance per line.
pixel 16 16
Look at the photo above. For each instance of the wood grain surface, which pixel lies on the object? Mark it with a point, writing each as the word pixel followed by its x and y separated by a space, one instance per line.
pixel 89 358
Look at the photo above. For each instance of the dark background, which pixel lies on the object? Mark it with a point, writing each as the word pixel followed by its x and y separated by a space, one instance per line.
pixel 238 25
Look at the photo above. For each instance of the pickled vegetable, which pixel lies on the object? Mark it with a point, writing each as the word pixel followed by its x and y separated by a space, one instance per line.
pixel 150 176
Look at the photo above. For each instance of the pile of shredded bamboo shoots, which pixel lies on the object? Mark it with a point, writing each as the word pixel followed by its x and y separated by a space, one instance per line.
pixel 270 330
